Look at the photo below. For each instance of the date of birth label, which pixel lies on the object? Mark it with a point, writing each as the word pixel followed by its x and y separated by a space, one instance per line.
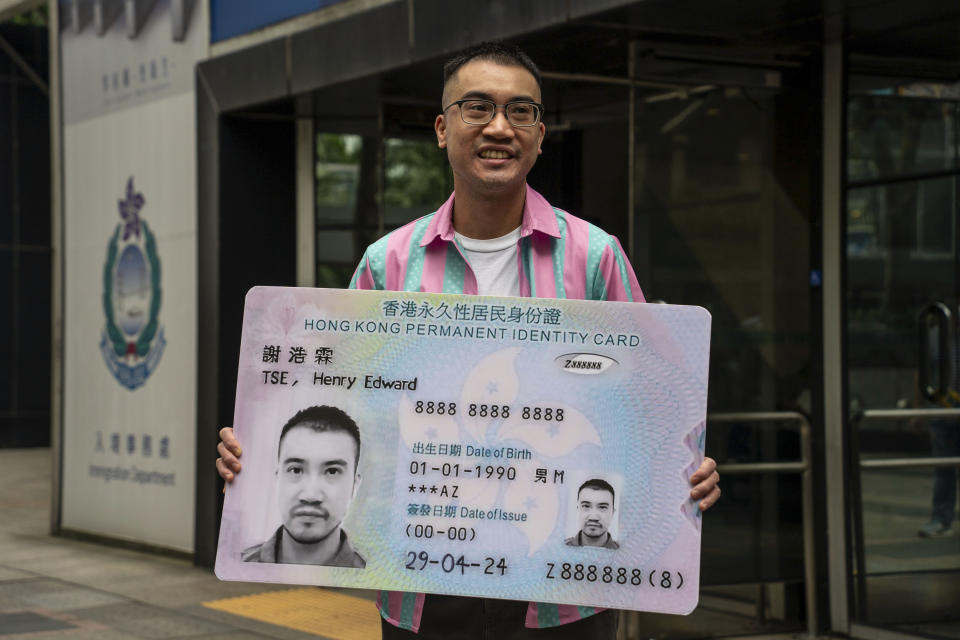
pixel 579 572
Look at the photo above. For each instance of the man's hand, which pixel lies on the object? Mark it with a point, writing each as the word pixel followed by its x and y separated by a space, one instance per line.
pixel 229 450
pixel 704 481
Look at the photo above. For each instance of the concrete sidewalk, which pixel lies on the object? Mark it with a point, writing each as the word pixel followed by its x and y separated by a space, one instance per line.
pixel 54 587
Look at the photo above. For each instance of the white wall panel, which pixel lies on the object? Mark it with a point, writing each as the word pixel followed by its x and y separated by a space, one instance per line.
pixel 129 445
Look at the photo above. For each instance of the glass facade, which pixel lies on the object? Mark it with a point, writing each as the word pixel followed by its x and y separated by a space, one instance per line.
pixel 722 218
pixel 901 256
pixel 365 187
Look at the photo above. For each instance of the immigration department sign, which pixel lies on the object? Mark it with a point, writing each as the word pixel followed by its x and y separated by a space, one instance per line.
pixel 132 339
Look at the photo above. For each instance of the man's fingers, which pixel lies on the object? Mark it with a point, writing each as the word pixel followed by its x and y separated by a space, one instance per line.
pixel 229 449
pixel 707 492
pixel 227 459
pixel 227 438
pixel 224 472
pixel 706 469
pixel 711 498
pixel 703 489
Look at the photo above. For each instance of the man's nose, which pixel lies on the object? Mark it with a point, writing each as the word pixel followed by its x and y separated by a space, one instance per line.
pixel 499 127
pixel 313 490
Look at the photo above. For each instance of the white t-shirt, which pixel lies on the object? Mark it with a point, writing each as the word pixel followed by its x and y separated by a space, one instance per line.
pixel 494 262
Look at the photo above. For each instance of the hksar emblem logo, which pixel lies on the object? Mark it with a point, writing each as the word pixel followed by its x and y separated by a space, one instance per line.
pixel 132 340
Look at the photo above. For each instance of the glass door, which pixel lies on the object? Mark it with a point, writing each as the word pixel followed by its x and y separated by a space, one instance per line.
pixel 722 177
pixel 902 306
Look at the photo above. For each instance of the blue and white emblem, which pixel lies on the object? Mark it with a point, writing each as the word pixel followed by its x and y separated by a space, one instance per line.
pixel 132 340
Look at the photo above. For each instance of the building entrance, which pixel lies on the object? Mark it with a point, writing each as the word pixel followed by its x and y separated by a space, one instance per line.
pixel 902 308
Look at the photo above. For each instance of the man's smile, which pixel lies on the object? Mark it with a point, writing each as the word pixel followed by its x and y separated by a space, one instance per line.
pixel 495 154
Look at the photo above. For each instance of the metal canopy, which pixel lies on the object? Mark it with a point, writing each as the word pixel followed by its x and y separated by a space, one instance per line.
pixel 725 42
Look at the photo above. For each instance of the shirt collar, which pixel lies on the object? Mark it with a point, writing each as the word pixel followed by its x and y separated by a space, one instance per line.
pixel 538 215
pixel 345 554
pixel 270 551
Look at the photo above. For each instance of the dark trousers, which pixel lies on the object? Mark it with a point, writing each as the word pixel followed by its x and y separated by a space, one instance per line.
pixel 944 442
pixel 458 618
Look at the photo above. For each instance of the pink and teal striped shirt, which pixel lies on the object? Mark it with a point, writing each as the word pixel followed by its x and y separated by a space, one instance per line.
pixel 558 256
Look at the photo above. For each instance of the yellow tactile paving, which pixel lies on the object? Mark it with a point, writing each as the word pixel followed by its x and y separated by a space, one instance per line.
pixel 317 611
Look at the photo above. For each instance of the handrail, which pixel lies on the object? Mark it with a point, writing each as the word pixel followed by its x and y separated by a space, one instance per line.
pixel 900 414
pixel 909 463
pixel 892 414
pixel 803 467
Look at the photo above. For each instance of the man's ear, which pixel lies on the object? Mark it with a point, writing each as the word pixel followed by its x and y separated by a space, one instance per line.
pixel 543 131
pixel 440 127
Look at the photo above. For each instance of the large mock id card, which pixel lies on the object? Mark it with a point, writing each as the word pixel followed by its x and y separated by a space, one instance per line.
pixel 521 448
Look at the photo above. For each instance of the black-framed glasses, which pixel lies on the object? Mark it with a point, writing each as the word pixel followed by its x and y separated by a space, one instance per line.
pixel 475 111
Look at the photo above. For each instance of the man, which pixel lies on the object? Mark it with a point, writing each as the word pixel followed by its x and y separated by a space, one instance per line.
pixel 944 433
pixel 317 480
pixel 944 442
pixel 494 236
pixel 595 506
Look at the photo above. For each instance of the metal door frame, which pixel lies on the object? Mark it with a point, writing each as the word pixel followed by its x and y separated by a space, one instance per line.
pixel 833 287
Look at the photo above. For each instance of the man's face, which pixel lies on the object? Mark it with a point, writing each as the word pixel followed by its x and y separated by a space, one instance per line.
pixel 596 511
pixel 316 481
pixel 476 152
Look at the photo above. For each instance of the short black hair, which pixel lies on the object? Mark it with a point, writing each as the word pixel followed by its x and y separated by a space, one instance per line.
pixel 320 419
pixel 601 485
pixel 495 51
